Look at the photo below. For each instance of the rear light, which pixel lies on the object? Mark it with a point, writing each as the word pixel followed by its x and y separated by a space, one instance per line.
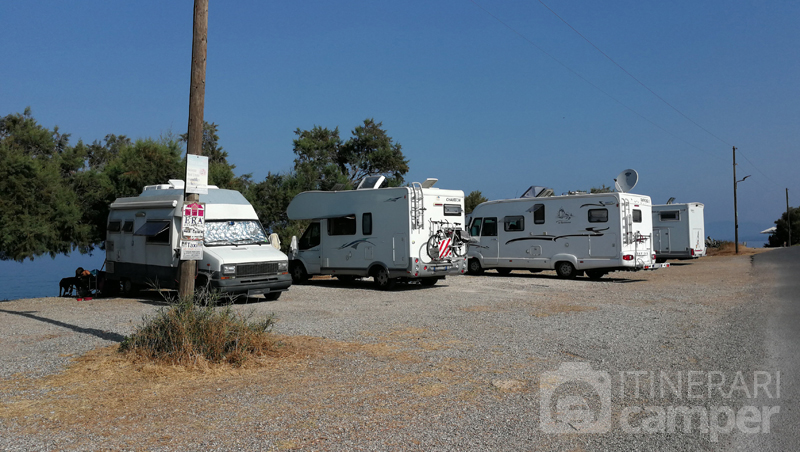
pixel 654 257
pixel 692 252
pixel 627 257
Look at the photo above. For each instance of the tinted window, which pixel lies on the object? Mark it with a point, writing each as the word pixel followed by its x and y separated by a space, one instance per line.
pixel 538 214
pixel 669 215
pixel 452 209
pixel 366 224
pixel 516 223
pixel 310 238
pixel 475 229
pixel 489 227
pixel 127 227
pixel 113 226
pixel 342 225
pixel 598 215
pixel 637 216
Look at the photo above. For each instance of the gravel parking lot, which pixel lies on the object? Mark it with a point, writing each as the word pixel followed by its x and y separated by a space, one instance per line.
pixel 457 366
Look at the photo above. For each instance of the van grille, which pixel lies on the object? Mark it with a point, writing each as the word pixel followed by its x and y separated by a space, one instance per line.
pixel 260 268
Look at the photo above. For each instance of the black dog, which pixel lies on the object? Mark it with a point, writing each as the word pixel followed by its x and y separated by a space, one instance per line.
pixel 67 285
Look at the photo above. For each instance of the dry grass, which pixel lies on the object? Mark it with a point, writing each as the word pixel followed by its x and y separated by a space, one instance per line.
pixel 729 249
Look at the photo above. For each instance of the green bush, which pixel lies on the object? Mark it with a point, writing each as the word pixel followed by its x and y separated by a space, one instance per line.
pixel 195 329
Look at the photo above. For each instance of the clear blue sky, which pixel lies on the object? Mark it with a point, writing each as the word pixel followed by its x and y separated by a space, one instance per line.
pixel 471 98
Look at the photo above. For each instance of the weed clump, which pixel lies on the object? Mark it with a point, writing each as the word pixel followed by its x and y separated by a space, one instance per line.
pixel 195 329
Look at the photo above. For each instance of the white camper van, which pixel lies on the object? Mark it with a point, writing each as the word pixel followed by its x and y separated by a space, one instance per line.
pixel 143 244
pixel 679 231
pixel 571 234
pixel 392 234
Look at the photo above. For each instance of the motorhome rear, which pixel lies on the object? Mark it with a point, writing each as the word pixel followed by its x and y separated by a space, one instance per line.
pixel 143 243
pixel 571 234
pixel 679 231
pixel 378 232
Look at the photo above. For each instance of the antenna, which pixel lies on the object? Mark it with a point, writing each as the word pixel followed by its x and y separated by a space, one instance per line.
pixel 626 180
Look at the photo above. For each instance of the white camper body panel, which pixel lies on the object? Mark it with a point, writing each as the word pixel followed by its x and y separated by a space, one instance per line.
pixel 143 243
pixel 355 232
pixel 595 232
pixel 679 231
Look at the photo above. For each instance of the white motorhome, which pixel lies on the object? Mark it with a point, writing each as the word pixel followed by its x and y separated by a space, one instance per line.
pixel 571 234
pixel 143 244
pixel 679 231
pixel 379 232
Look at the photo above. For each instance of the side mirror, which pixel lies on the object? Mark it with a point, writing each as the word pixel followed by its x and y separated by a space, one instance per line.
pixel 293 246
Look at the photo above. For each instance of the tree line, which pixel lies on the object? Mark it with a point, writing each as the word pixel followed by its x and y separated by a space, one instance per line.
pixel 56 196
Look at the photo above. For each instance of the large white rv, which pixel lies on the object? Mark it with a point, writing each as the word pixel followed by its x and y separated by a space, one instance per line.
pixel 384 233
pixel 571 234
pixel 679 231
pixel 143 244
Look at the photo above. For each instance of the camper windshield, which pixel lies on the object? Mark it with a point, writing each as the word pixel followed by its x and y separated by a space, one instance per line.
pixel 230 232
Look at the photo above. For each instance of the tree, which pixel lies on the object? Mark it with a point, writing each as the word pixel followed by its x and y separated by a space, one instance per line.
pixel 39 212
pixel 472 200
pixel 781 234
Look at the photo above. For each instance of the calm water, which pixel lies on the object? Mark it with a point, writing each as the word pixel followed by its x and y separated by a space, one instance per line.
pixel 39 278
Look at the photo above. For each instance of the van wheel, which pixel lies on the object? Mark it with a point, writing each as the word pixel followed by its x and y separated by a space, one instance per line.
pixel 382 279
pixel 595 274
pixel 504 271
pixel 299 274
pixel 474 267
pixel 129 288
pixel 272 296
pixel 565 270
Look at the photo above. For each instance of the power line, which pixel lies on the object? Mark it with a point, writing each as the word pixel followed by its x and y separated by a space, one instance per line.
pixel 654 93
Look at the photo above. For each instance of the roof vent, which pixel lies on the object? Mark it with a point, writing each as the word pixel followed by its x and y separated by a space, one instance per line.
pixel 371 182
pixel 535 191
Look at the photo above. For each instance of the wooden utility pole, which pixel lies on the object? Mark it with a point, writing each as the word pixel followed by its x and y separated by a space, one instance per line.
pixel 194 143
pixel 789 217
pixel 735 207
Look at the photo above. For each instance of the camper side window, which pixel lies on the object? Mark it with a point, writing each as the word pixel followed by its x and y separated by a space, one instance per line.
pixel 598 215
pixel 342 225
pixel 516 223
pixel 310 238
pixel 452 209
pixel 475 229
pixel 669 215
pixel 637 216
pixel 127 226
pixel 489 227
pixel 366 223
pixel 538 214
pixel 155 231
pixel 113 226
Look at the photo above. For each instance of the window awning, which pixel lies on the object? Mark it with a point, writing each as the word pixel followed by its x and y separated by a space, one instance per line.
pixel 152 228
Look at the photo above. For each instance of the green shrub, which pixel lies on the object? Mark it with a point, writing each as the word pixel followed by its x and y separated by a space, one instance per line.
pixel 195 329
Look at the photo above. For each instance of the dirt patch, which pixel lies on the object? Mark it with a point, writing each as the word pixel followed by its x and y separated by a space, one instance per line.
pixel 728 249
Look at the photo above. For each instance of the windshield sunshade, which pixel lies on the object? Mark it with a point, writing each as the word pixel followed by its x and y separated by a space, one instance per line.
pixel 152 228
pixel 234 233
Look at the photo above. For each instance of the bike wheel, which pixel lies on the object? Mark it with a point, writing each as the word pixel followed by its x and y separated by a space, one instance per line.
pixel 433 247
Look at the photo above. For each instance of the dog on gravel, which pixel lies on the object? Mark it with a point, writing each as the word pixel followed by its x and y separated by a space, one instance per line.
pixel 67 285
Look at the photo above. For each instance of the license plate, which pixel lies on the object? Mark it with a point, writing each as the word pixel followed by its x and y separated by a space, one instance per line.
pixel 441 268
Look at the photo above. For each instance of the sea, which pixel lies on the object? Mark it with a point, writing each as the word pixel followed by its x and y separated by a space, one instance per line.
pixel 39 278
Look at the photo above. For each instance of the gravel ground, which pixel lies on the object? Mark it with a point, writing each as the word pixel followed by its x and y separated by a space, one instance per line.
pixel 457 366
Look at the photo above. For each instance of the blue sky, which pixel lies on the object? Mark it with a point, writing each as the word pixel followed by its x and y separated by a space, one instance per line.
pixel 473 100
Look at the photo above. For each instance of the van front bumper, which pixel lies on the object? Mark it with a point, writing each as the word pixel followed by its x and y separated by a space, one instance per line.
pixel 253 285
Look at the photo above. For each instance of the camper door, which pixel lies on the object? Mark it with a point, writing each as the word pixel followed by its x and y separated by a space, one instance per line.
pixel 485 228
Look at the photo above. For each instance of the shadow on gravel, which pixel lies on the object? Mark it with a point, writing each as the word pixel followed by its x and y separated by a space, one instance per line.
pixel 579 279
pixel 369 285
pixel 105 335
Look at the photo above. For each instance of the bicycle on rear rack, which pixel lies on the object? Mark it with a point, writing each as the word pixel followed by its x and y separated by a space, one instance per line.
pixel 447 242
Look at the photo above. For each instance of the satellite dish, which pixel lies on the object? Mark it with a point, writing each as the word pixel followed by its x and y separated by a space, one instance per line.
pixel 626 180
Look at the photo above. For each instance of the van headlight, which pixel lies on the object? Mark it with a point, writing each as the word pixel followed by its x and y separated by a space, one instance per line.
pixel 228 269
pixel 283 266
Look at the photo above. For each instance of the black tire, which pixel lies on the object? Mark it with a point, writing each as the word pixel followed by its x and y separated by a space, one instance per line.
pixel 504 271
pixel 299 274
pixel 474 267
pixel 565 270
pixel 272 296
pixel 129 288
pixel 432 247
pixel 382 279
pixel 595 274
pixel 428 282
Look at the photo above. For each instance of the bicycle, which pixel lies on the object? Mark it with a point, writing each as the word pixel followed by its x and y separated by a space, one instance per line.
pixel 448 241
